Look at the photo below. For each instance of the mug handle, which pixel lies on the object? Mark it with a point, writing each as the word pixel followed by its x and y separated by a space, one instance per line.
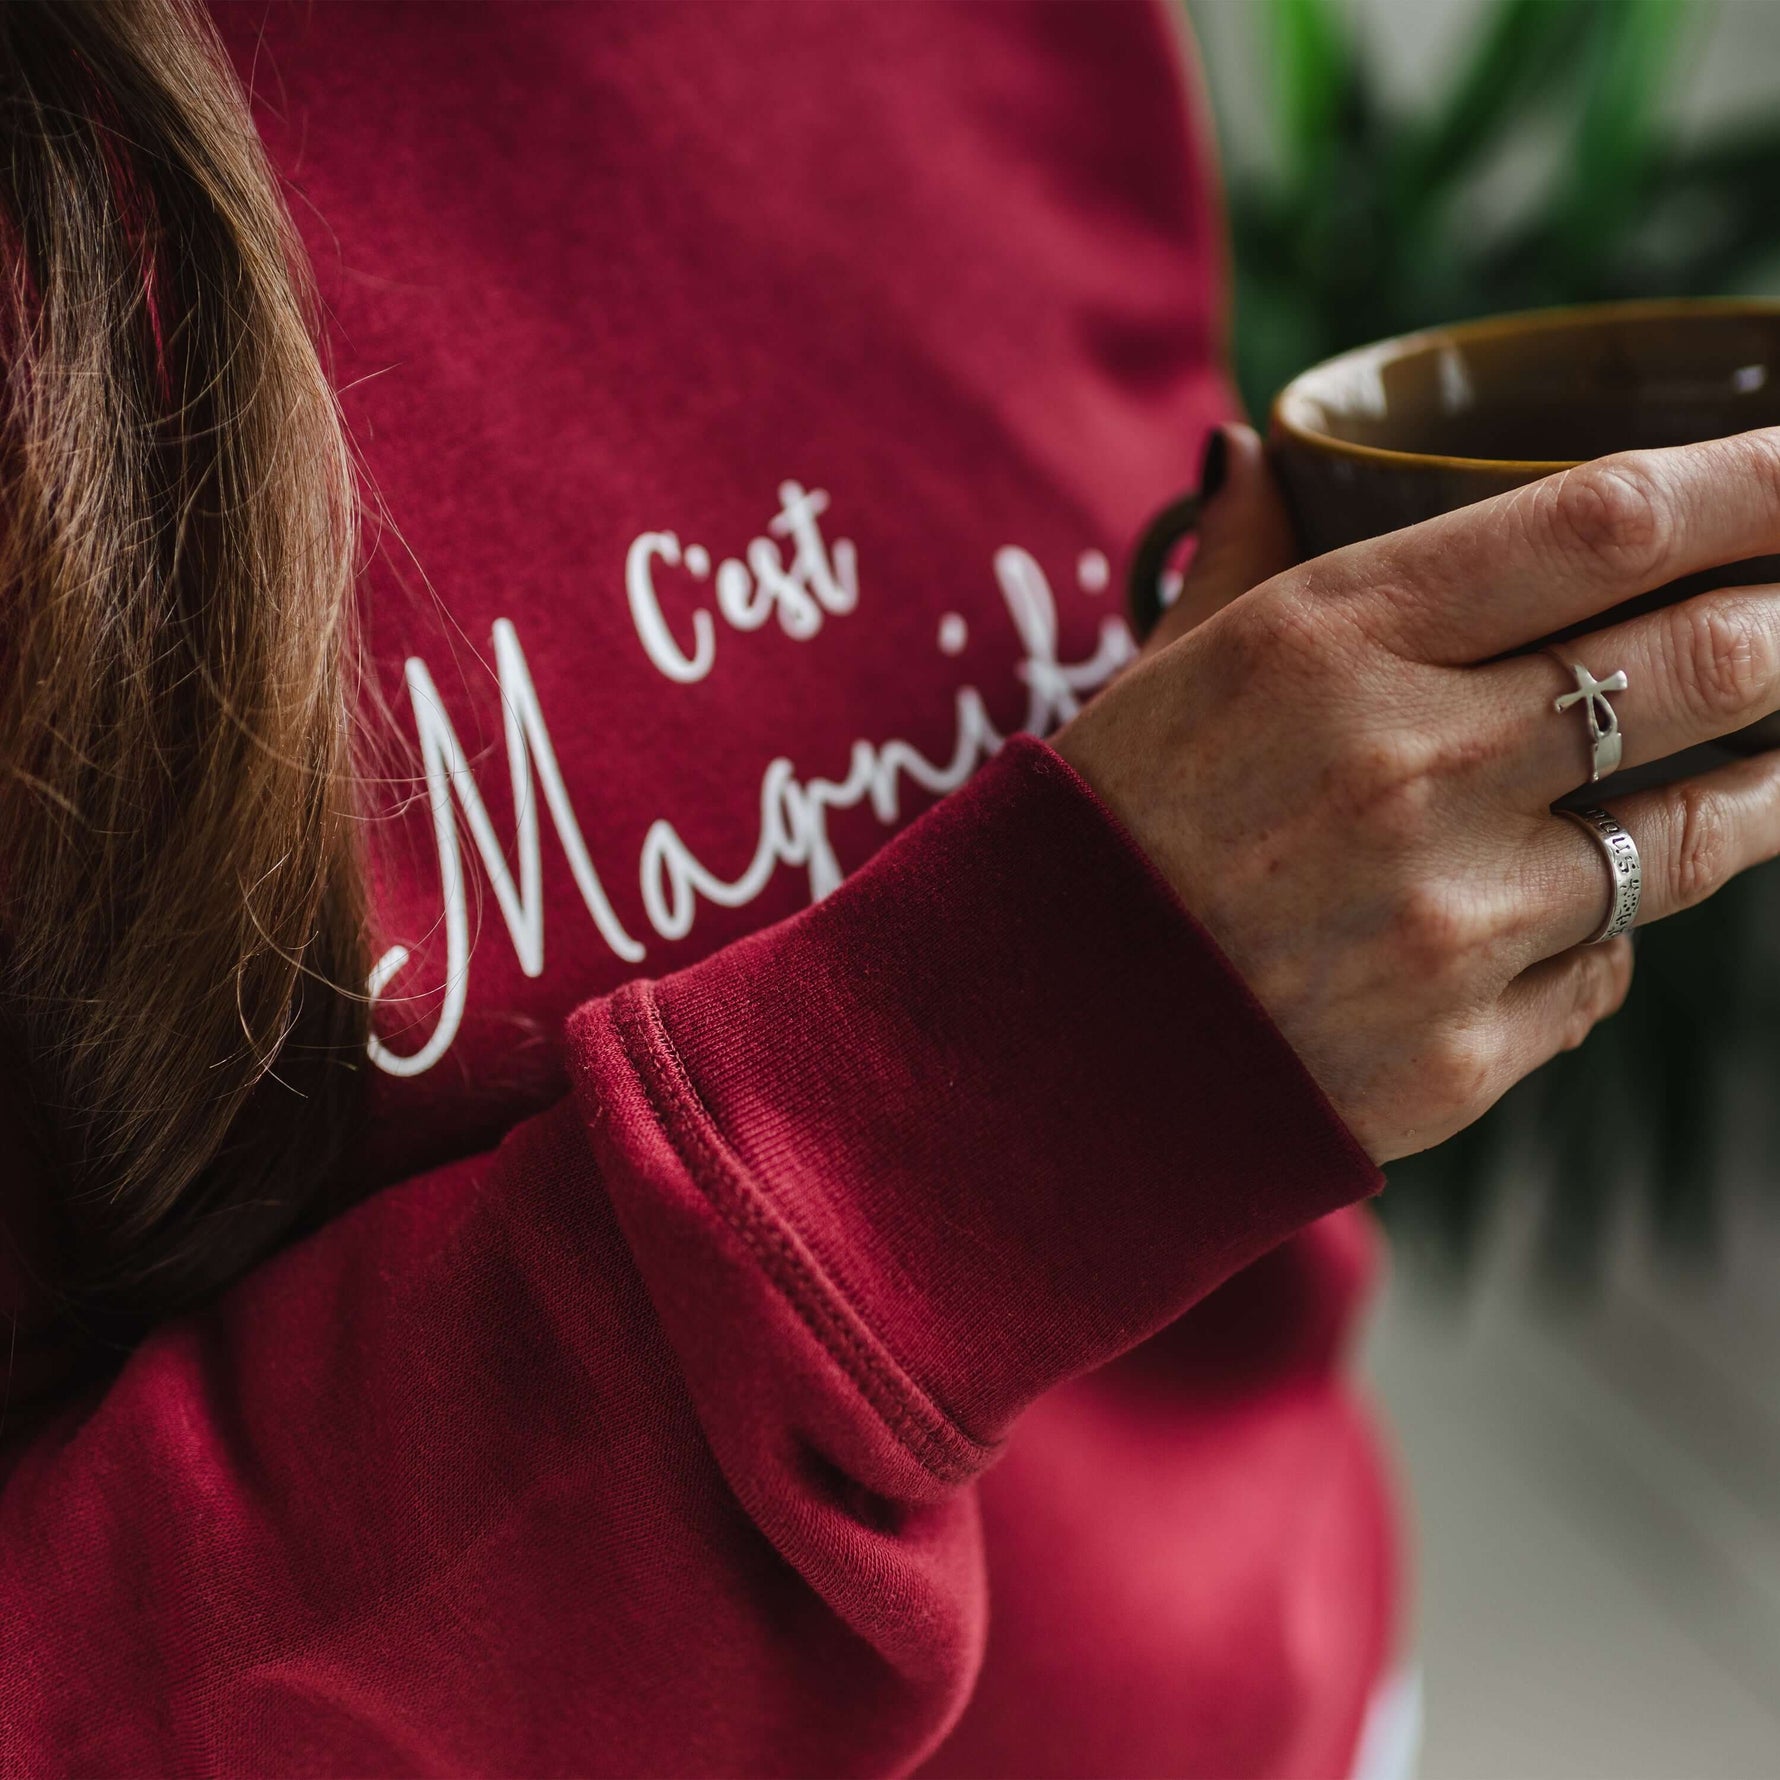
pixel 1160 538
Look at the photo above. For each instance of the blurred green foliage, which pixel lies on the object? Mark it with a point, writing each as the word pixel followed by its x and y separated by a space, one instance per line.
pixel 1546 171
pixel 1372 220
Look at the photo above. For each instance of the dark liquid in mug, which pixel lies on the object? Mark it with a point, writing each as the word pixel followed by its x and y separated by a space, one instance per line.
pixel 1539 429
pixel 1564 389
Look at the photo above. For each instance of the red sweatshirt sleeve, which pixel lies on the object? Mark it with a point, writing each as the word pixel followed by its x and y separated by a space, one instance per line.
pixel 646 1445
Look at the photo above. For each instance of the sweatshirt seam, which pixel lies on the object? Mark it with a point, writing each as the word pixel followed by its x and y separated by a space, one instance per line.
pixel 933 1439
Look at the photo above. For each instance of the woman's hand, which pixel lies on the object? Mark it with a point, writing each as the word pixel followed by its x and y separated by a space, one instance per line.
pixel 1353 794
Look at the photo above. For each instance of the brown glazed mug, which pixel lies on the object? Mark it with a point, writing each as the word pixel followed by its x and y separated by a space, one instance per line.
pixel 1399 431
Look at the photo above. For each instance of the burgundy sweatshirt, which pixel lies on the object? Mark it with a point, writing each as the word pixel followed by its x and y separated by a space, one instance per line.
pixel 852 1286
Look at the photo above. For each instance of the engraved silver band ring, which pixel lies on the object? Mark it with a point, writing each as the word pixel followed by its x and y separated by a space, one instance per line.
pixel 1621 854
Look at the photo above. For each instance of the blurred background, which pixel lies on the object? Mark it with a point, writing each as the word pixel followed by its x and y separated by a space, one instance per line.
pixel 1580 1349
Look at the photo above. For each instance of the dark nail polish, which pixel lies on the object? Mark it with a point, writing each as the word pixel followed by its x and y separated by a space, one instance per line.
pixel 1214 466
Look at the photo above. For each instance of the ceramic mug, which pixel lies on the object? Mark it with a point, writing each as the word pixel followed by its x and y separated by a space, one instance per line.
pixel 1399 431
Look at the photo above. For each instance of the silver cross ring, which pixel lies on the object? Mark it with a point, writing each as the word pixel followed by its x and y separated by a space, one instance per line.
pixel 1603 724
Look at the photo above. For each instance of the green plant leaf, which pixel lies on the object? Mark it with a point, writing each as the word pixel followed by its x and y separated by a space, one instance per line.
pixel 1616 142
pixel 1524 53
pixel 1315 69
pixel 1720 197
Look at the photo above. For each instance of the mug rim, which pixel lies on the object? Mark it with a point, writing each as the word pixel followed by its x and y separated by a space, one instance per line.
pixel 1482 328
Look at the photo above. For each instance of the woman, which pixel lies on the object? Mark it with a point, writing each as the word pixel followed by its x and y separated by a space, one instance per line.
pixel 664 1326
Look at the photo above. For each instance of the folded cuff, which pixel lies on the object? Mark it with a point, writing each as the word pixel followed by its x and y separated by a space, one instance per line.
pixel 1000 1098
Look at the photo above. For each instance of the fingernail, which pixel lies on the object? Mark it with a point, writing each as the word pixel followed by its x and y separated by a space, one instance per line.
pixel 1214 466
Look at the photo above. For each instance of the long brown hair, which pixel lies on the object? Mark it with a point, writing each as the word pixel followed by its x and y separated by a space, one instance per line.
pixel 180 900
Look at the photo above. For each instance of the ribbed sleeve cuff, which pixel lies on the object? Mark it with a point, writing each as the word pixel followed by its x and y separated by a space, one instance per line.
pixel 999 1099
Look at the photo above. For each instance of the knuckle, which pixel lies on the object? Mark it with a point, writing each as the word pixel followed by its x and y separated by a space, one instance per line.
pixel 1276 638
pixel 1722 656
pixel 1612 514
pixel 1439 933
pixel 1383 785
pixel 1591 993
pixel 1700 845
pixel 1460 1069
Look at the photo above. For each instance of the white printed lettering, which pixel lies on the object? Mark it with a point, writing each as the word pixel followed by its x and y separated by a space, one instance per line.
pixel 793 812
pixel 645 611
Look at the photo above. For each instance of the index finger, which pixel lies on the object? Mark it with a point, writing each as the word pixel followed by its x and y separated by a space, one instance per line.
pixel 1507 571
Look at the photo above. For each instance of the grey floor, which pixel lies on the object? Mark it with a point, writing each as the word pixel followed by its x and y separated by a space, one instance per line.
pixel 1598 1499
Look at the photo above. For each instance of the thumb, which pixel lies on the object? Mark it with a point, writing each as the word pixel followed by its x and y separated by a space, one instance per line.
pixel 1245 533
